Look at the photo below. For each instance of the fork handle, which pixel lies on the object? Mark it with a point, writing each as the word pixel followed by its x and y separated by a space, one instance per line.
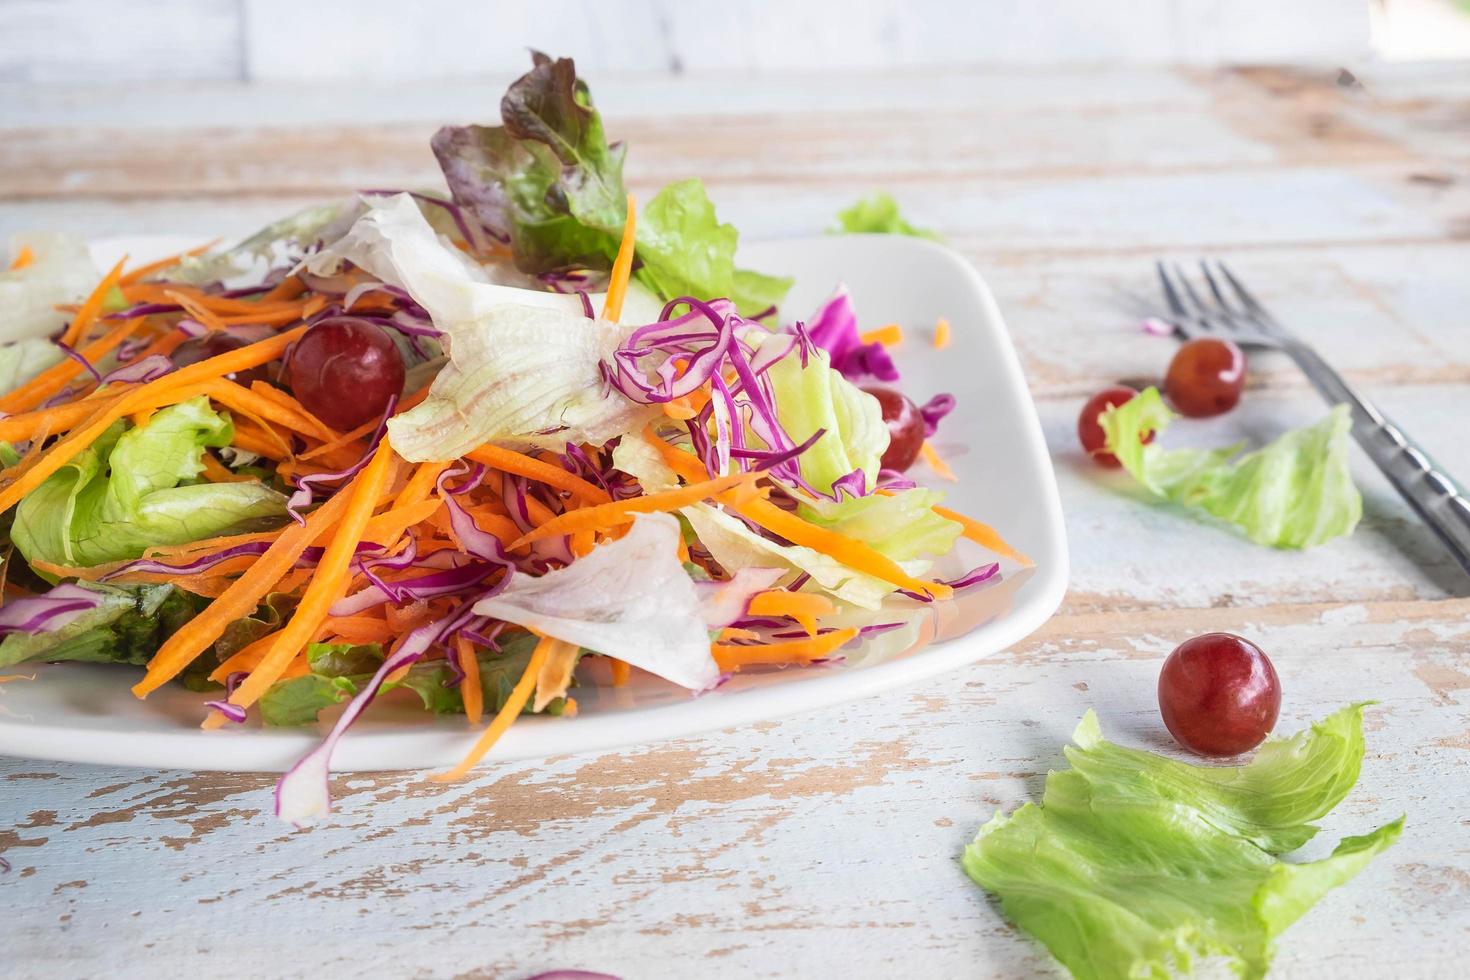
pixel 1435 496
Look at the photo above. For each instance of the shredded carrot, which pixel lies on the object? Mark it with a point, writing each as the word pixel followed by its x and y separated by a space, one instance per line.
pixel 582 542
pixel 622 671
pixel 141 417
pixel 288 288
pixel 331 578
pixel 622 511
pixel 50 421
pixel 197 311
pixel 8 678
pixel 143 271
pixel 175 387
pixel 470 690
pixel 738 633
pixel 849 551
pixel 22 258
pixel 984 535
pixel 804 607
pixel 622 269
pixel 733 656
pixel 271 393
pixel 505 717
pixel 359 629
pixel 92 306
pixel 941 334
pixel 286 313
pixel 58 376
pixel 208 545
pixel 510 461
pixel 366 428
pixel 260 441
pixel 936 462
pixel 242 399
pixel 217 472
pixel 555 675
pixel 240 599
pixel 889 334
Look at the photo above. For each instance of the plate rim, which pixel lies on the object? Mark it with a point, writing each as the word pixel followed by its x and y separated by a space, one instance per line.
pixel 268 750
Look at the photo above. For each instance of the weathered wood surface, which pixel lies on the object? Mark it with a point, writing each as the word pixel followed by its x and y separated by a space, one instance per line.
pixel 827 844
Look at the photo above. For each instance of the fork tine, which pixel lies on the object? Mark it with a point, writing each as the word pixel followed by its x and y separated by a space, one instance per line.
pixel 1251 303
pixel 1171 296
pixel 1225 304
pixel 1200 306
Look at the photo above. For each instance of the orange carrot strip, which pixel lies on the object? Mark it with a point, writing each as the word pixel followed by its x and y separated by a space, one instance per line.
pixel 288 288
pixel 852 553
pixel 622 511
pixel 621 671
pixel 143 271
pixel 242 399
pixel 51 421
pixel 179 650
pixel 366 428
pixel 732 656
pixel 622 269
pixel 936 462
pixel 22 258
pixel 196 310
pixel 207 545
pixel 271 393
pixel 92 306
pixel 58 376
pixel 359 629
pixel 507 715
pixel 737 633
pixel 287 313
pixel 983 535
pixel 246 658
pixel 168 386
pixel 555 675
pixel 804 607
pixel 261 443
pixel 331 578
pixel 217 472
pixel 510 461
pixel 470 690
pixel 889 334
pixel 941 334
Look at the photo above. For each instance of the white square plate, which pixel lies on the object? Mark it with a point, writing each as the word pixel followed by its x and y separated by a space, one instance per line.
pixel 993 441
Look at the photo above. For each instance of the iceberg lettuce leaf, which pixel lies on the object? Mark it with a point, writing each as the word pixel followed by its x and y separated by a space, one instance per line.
pixel 1295 492
pixel 817 397
pixel 1134 864
pixel 902 526
pixel 61 271
pixel 133 488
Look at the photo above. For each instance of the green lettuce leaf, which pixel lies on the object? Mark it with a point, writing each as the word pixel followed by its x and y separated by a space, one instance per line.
pixel 1295 492
pixel 1134 864
pixel 877 214
pixel 340 670
pixel 61 271
pixel 818 397
pixel 127 627
pixel 133 489
pixel 22 360
pixel 685 251
pixel 549 181
pixel 902 526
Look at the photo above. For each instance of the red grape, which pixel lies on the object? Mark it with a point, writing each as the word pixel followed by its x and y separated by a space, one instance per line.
pixel 905 428
pixel 213 344
pixel 1219 694
pixel 345 371
pixel 1091 434
pixel 1205 377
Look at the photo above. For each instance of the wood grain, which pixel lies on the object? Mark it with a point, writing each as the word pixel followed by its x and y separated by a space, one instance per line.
pixel 827 844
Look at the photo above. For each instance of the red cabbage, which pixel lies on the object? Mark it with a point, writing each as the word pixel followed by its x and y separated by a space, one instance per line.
pixel 47 612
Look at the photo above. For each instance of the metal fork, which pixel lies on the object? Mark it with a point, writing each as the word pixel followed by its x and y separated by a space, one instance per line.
pixel 1230 311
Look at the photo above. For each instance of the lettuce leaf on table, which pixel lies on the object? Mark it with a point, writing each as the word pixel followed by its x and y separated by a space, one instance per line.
pixel 1295 492
pixel 548 180
pixel 133 488
pixel 877 214
pixel 1133 863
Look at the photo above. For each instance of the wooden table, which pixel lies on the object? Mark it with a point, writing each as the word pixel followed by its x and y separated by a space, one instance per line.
pixel 826 845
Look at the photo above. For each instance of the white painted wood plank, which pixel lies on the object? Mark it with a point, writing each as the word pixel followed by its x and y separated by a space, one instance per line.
pixel 818 846
pixel 100 42
pixel 619 95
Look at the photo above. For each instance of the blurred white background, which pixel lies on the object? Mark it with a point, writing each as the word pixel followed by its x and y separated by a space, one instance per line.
pixel 87 41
